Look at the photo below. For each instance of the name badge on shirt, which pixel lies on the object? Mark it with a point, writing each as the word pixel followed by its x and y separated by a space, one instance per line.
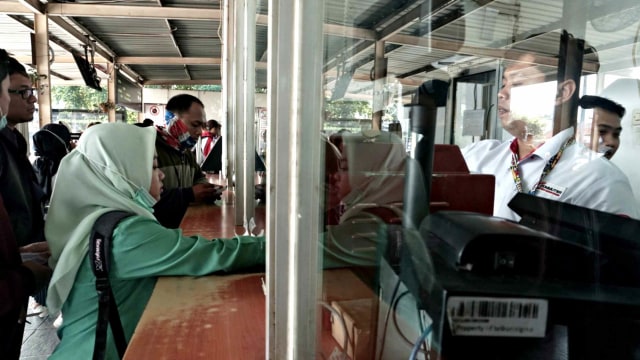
pixel 551 189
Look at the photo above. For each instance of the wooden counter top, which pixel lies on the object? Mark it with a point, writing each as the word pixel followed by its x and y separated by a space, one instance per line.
pixel 219 316
pixel 210 317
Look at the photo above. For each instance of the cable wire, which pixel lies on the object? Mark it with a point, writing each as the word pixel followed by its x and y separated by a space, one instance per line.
pixel 421 339
pixel 386 319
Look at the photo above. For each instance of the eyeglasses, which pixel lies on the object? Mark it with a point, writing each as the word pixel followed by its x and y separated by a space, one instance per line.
pixel 25 93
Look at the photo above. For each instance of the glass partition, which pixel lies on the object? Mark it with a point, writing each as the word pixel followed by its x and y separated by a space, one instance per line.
pixel 473 203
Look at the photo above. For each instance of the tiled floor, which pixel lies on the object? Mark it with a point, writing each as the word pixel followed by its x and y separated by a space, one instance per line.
pixel 39 337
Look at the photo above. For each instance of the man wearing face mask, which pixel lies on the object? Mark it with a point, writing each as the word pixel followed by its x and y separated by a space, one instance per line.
pixel 557 168
pixel 184 181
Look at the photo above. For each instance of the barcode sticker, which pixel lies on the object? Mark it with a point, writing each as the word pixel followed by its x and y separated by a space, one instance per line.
pixel 508 317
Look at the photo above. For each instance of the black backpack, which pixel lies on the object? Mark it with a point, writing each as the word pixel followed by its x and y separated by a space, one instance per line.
pixel 99 250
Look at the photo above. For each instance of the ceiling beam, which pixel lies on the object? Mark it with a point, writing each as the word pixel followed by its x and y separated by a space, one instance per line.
pixel 182 82
pixel 13 8
pixel 134 12
pixel 162 60
pixel 61 60
pixel 458 48
pixel 403 21
pixel 28 59
pixel 34 6
pixel 350 32
pixel 81 36
pixel 80 33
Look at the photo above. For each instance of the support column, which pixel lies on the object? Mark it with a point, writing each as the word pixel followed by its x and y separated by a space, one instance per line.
pixel 294 174
pixel 380 79
pixel 227 92
pixel 111 91
pixel 41 28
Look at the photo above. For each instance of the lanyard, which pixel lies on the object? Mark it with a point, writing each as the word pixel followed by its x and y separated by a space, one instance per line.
pixel 515 171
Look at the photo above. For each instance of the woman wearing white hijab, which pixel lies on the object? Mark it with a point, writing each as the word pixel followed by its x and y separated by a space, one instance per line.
pixel 114 168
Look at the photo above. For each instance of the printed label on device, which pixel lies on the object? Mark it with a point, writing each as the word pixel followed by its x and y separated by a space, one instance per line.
pixel 486 316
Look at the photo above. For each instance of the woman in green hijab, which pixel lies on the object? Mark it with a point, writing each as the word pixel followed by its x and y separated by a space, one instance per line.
pixel 114 168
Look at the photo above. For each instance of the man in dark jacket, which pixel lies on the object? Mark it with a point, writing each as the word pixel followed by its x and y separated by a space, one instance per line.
pixel 17 279
pixel 22 197
pixel 51 144
pixel 184 181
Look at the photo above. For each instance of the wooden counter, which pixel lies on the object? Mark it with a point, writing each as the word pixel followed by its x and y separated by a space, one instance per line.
pixel 220 317
pixel 211 317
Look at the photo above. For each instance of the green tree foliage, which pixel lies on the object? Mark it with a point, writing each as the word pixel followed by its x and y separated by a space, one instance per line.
pixel 347 109
pixel 217 88
pixel 536 126
pixel 77 97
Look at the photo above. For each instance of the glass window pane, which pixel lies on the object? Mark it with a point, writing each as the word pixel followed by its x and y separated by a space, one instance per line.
pixel 473 197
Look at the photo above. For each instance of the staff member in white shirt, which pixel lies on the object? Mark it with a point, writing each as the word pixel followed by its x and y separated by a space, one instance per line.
pixel 207 140
pixel 558 168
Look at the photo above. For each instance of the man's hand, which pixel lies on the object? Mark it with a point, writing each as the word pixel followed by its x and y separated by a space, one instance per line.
pixel 206 192
pixel 40 249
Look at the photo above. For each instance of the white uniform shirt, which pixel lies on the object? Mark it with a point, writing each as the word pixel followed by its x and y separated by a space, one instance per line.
pixel 580 177
pixel 200 145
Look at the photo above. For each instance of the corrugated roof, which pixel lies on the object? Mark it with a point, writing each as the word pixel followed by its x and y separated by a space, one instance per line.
pixel 405 25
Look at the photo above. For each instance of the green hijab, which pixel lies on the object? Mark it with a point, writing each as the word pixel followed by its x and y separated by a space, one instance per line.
pixel 110 169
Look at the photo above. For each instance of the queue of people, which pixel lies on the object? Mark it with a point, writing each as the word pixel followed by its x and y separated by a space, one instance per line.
pixel 123 167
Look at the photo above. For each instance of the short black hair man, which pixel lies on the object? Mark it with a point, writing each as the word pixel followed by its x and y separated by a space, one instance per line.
pixel 556 168
pixel 184 181
pixel 607 117
pixel 17 179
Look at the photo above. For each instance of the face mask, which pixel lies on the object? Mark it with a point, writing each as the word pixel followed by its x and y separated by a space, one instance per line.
pixel 179 130
pixel 168 116
pixel 144 199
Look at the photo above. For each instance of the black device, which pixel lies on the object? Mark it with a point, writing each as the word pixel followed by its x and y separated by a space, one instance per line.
pixel 213 161
pixel 422 123
pixel 489 245
pixel 614 237
pixel 88 71
pixel 128 93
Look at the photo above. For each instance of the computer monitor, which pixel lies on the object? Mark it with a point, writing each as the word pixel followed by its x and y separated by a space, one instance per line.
pixel 88 72
pixel 614 236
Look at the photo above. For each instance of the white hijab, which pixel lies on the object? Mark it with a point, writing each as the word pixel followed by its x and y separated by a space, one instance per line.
pixel 108 170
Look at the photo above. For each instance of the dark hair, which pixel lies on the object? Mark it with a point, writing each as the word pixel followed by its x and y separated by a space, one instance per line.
pixel 181 103
pixel 577 54
pixel 60 130
pixel 591 101
pixel 16 68
pixel 145 123
pixel 4 65
pixel 532 45
pixel 213 124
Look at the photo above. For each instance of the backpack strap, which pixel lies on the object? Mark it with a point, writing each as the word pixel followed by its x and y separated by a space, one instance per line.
pixel 99 250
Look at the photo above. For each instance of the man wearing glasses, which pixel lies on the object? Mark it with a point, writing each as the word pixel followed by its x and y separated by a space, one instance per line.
pixel 21 197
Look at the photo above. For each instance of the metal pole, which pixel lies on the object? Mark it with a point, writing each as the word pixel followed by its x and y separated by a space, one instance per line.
pixel 293 179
